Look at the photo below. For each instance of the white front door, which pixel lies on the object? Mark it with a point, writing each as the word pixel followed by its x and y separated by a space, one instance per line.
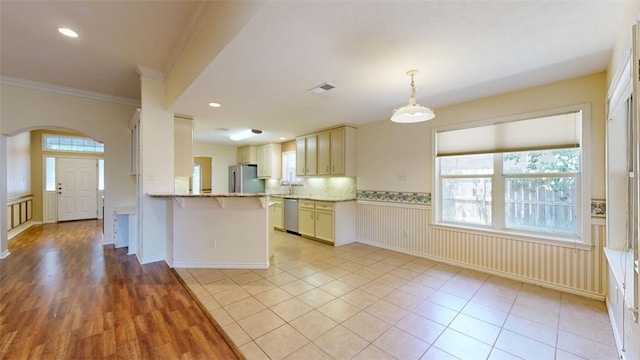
pixel 77 186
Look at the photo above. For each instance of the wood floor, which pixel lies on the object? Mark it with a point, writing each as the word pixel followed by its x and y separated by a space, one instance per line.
pixel 63 295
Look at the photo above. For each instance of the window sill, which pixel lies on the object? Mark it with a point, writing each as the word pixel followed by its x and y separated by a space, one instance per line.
pixel 622 268
pixel 549 240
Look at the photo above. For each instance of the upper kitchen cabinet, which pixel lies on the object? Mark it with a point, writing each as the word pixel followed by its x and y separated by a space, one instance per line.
pixel 306 155
pixel 183 146
pixel 324 153
pixel 247 155
pixel 333 153
pixel 269 158
pixel 343 151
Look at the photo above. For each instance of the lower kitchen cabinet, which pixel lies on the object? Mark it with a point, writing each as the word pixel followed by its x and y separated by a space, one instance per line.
pixel 328 221
pixel 306 218
pixel 277 213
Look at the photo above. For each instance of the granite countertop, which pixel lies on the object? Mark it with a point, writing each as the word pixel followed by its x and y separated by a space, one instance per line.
pixel 207 195
pixel 311 197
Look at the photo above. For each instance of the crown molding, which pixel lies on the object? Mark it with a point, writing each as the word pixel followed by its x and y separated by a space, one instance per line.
pixel 149 73
pixel 65 90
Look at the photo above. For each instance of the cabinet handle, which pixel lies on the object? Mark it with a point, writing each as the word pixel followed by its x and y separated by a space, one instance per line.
pixel 327 168
pixel 311 216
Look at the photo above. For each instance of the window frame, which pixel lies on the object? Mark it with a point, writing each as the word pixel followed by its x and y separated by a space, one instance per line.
pixel 497 227
pixel 296 180
pixel 70 137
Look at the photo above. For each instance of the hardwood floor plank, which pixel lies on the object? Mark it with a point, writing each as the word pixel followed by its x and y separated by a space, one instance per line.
pixel 63 295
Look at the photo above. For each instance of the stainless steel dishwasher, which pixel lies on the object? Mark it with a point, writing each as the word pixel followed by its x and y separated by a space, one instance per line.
pixel 291 215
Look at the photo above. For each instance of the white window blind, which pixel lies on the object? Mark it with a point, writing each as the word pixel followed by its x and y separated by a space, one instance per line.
pixel 549 132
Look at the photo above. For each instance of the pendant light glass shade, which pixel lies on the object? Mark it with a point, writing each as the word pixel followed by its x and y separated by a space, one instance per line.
pixel 412 112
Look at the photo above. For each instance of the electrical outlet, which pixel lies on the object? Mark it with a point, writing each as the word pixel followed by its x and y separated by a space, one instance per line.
pixel 403 177
pixel 213 244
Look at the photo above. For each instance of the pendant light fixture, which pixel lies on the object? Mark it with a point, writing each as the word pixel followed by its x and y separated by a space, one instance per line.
pixel 412 113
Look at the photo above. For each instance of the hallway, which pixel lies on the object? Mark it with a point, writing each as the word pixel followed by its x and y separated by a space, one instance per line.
pixel 65 295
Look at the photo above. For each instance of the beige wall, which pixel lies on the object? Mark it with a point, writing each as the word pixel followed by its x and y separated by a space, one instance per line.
pixel 18 166
pixel 205 171
pixel 37 166
pixel 289 146
pixel 25 109
pixel 386 150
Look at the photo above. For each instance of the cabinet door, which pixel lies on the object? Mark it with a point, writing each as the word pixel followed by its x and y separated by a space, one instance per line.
pixel 324 153
pixel 337 152
pixel 312 155
pixel 263 154
pixel 306 222
pixel 301 155
pixel 278 219
pixel 324 225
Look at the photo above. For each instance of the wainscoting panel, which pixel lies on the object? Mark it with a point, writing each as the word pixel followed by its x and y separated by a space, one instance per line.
pixel 406 228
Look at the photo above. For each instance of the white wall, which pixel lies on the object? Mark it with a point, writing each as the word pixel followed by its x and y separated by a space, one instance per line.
pixel 223 156
pixel 19 165
pixel 24 109
pixel 157 172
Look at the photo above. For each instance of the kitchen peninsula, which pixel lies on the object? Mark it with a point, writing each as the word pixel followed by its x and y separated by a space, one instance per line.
pixel 217 230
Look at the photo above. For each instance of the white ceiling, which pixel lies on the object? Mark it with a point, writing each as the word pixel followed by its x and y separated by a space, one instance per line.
pixel 464 50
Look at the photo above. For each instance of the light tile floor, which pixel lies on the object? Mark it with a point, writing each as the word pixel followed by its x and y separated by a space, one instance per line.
pixel 361 302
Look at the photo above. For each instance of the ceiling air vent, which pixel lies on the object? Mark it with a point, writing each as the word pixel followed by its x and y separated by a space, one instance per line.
pixel 324 87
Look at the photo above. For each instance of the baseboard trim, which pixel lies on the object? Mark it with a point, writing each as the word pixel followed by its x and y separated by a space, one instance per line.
pixel 4 254
pixel 21 228
pixel 151 259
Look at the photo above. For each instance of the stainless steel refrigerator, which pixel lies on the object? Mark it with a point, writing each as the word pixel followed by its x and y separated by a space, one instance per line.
pixel 244 179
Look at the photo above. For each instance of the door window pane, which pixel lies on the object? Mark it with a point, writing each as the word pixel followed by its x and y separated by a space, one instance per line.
pixel 100 174
pixel 50 174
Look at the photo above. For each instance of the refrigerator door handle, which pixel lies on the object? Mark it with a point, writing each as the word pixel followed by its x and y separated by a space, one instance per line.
pixel 234 181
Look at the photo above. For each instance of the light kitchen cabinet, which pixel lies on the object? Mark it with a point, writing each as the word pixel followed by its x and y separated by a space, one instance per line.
pixel 328 221
pixel 277 213
pixel 306 218
pixel 269 160
pixel 247 155
pixel 324 221
pixel 306 155
pixel 331 152
pixel 324 153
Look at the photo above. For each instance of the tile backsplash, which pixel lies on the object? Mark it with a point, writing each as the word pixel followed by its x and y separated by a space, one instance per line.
pixel 338 187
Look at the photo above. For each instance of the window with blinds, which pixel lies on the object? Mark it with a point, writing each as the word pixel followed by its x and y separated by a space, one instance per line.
pixel 523 175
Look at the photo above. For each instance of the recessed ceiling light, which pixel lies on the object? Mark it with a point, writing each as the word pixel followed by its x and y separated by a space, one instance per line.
pixel 68 32
pixel 283 138
pixel 214 105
